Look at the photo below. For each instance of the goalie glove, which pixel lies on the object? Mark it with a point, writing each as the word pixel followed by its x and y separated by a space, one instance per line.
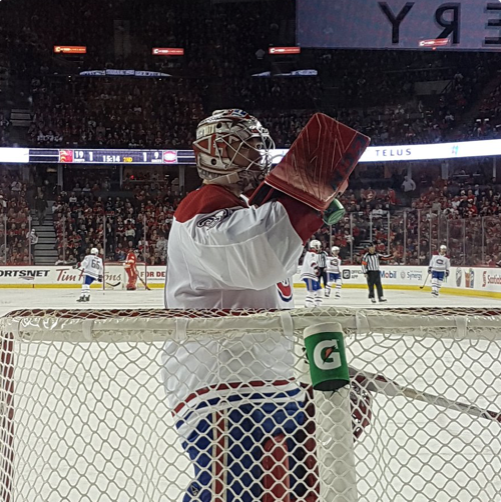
pixel 317 166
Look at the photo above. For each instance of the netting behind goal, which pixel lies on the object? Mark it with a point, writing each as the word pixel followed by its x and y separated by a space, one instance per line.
pixel 88 407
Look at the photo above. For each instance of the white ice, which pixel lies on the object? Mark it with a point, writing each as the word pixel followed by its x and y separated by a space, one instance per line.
pixel 13 299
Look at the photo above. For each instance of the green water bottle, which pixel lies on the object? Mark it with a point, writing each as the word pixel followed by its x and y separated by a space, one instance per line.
pixel 326 354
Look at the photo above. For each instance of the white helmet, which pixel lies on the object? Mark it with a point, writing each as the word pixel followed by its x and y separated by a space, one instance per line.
pixel 314 244
pixel 94 251
pixel 223 137
pixel 443 249
pixel 335 250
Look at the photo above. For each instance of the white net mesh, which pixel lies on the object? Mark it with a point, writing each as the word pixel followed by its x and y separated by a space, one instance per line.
pixel 87 402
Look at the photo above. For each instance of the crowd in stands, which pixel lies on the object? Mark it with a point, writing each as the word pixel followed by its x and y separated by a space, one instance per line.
pixel 406 218
pixel 14 224
pixel 139 219
pixel 395 97
pixel 115 113
pixel 376 92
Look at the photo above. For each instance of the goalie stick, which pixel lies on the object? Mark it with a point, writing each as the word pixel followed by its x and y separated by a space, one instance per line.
pixel 112 285
pixel 144 284
pixel 382 385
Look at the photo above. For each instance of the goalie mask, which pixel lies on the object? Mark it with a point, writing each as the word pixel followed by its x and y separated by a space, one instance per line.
pixel 232 147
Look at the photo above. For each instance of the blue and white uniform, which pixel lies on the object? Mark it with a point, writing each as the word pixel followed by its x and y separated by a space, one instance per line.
pixel 92 269
pixel 231 396
pixel 439 269
pixel 310 276
pixel 334 273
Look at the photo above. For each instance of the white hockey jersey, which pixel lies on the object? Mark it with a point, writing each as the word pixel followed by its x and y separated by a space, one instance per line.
pixel 333 265
pixel 223 254
pixel 439 263
pixel 309 269
pixel 92 266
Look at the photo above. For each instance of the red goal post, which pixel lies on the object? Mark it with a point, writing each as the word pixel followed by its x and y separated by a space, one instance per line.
pixel 84 413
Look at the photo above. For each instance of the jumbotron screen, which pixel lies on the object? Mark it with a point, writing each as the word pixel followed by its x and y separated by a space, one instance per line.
pixel 399 24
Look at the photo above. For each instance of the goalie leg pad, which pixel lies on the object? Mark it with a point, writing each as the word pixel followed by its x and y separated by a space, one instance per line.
pixel 235 453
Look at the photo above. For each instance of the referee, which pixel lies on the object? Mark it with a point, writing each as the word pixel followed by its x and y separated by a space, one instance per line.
pixel 322 269
pixel 371 270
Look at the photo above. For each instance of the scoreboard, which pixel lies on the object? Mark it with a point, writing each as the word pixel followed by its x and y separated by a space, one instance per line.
pixel 103 156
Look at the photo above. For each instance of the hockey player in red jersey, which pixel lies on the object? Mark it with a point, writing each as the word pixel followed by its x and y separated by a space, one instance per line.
pixel 130 266
pixel 236 400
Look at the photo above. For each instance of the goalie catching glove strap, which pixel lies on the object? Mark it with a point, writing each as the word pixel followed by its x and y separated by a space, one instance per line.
pixel 317 166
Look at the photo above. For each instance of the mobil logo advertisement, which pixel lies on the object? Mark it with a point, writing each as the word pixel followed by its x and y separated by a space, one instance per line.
pixel 389 274
pixel 490 278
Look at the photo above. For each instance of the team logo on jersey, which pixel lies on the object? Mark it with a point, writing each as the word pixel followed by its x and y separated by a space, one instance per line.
pixel 214 219
pixel 285 290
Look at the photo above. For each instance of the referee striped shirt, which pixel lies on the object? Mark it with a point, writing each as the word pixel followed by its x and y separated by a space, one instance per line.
pixel 370 261
pixel 322 260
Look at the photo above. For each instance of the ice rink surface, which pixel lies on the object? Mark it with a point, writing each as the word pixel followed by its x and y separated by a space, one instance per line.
pixel 13 299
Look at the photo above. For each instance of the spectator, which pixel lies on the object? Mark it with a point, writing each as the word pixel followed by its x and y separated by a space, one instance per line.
pixel 41 207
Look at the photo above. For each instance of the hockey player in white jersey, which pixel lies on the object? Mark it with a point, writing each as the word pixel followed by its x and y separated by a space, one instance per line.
pixel 239 394
pixel 439 269
pixel 310 274
pixel 92 268
pixel 334 272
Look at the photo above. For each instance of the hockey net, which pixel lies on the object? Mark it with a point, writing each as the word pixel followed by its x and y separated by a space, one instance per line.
pixel 84 414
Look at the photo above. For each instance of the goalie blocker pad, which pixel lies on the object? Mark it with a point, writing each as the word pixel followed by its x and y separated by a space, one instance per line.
pixel 317 165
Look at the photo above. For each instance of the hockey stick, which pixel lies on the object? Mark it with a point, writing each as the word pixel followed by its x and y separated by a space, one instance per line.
pixel 425 281
pixel 378 383
pixel 144 284
pixel 113 285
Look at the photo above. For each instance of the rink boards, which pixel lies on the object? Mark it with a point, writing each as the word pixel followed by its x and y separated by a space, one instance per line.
pixel 470 281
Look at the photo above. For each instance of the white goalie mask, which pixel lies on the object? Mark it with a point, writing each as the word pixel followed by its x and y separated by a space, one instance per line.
pixel 316 245
pixel 233 147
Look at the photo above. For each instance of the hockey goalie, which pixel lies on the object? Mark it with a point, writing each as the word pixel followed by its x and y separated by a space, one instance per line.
pixel 130 266
pixel 240 415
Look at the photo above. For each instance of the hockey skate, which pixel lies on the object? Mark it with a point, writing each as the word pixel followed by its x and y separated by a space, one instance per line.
pixel 373 300
pixel 382 300
pixel 83 299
